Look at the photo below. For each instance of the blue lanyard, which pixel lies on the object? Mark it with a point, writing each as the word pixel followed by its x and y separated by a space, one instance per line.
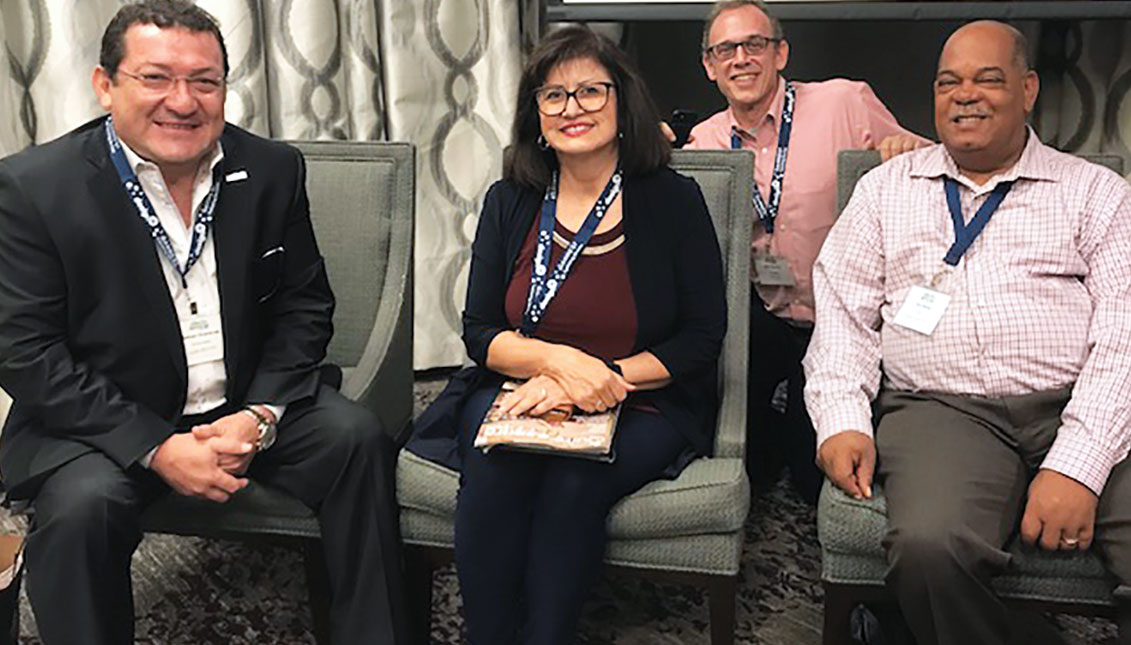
pixel 148 215
pixel 768 213
pixel 965 234
pixel 544 284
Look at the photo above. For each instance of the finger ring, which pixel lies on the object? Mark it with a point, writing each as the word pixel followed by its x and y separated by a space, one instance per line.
pixel 543 393
pixel 1069 541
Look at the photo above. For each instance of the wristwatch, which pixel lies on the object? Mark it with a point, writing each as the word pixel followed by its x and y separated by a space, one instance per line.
pixel 267 430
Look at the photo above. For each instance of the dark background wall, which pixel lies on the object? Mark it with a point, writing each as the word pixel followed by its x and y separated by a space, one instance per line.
pixel 897 58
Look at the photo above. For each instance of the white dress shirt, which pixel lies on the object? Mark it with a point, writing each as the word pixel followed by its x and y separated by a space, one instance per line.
pixel 206 380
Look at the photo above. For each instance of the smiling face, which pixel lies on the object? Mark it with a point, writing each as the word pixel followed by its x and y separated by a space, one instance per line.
pixel 174 129
pixel 748 82
pixel 982 98
pixel 575 131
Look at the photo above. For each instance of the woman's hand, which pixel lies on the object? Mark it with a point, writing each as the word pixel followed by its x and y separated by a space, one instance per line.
pixel 586 380
pixel 535 397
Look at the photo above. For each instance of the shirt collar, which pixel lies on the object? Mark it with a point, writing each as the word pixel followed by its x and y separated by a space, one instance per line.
pixel 1033 164
pixel 773 114
pixel 138 164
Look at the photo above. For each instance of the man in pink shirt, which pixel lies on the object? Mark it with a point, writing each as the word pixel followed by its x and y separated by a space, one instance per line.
pixel 804 124
pixel 977 296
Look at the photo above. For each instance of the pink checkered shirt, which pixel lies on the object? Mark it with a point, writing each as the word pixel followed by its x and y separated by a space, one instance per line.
pixel 1040 301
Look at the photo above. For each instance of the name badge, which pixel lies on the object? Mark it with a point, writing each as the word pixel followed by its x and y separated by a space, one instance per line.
pixel 204 339
pixel 772 271
pixel 922 310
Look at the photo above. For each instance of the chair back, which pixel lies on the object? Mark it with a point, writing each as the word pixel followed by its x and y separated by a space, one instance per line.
pixel 362 205
pixel 852 164
pixel 726 178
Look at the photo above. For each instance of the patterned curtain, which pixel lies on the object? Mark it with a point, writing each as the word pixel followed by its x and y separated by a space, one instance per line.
pixel 439 74
pixel 1084 104
pixel 451 77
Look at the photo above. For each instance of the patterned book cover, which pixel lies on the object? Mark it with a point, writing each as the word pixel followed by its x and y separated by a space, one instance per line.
pixel 564 432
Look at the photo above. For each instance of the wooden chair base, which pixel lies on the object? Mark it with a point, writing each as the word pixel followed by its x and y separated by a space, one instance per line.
pixel 318 589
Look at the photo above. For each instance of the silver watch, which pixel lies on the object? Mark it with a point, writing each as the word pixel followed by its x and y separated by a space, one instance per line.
pixel 267 430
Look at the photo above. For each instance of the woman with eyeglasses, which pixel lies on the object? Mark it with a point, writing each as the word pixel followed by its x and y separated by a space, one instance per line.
pixel 636 317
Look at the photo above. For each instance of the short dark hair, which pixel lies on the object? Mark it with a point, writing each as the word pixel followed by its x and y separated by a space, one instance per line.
pixel 727 5
pixel 163 13
pixel 643 147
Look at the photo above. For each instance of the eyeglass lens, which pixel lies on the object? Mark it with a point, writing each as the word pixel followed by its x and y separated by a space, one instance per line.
pixel 552 101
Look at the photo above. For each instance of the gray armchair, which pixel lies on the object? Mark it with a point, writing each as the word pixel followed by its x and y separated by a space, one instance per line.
pixel 853 562
pixel 686 530
pixel 361 203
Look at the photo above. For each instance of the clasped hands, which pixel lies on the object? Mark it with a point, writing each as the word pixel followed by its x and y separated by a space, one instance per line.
pixel 572 378
pixel 208 461
pixel 1059 514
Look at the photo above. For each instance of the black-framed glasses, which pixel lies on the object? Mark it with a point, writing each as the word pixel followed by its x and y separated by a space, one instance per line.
pixel 159 82
pixel 753 46
pixel 590 97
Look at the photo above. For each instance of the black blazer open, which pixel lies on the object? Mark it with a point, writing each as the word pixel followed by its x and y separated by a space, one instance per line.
pixel 676 271
pixel 90 346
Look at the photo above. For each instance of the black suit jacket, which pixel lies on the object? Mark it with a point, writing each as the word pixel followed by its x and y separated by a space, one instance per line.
pixel 676 271
pixel 90 345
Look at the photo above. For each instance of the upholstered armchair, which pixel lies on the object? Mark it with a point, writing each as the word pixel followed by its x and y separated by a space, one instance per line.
pixel 361 204
pixel 853 563
pixel 687 530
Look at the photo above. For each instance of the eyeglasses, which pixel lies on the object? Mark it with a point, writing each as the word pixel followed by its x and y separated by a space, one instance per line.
pixel 590 97
pixel 753 46
pixel 162 83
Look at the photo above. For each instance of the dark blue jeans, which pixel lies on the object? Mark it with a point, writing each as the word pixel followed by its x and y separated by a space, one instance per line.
pixel 530 529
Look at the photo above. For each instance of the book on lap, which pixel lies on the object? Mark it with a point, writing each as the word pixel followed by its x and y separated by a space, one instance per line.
pixel 570 433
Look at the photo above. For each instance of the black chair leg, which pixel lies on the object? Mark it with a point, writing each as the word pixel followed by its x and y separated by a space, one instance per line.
pixel 418 579
pixel 318 587
pixel 10 612
pixel 838 615
pixel 722 600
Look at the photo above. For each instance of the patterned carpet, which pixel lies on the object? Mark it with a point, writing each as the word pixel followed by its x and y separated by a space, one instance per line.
pixel 192 591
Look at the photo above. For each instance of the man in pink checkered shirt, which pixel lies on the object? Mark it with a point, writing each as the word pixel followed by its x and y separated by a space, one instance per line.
pixel 979 293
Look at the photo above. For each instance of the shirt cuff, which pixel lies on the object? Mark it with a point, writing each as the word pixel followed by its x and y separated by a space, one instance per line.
pixel 276 410
pixel 147 458
pixel 839 418
pixel 1075 455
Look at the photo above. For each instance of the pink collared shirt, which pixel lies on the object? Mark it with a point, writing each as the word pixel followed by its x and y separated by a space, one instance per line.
pixel 1040 301
pixel 829 116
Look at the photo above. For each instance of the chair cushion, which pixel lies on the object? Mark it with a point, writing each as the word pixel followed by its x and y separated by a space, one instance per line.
pixel 851 533
pixel 710 496
pixel 258 508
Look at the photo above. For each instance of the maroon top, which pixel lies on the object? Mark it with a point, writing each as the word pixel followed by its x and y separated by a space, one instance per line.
pixel 594 310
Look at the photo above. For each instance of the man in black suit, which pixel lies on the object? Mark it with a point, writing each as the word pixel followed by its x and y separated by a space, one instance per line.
pixel 163 305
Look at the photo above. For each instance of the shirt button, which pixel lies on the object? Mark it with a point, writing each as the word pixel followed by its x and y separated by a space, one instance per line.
pixel 763 151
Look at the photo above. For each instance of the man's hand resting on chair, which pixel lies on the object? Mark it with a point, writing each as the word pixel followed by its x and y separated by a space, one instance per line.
pixel 849 459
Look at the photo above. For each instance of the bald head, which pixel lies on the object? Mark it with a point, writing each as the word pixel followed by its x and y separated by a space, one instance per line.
pixel 984 92
pixel 1019 43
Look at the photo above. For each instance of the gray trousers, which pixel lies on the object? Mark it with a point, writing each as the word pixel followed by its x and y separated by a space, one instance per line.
pixel 956 472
